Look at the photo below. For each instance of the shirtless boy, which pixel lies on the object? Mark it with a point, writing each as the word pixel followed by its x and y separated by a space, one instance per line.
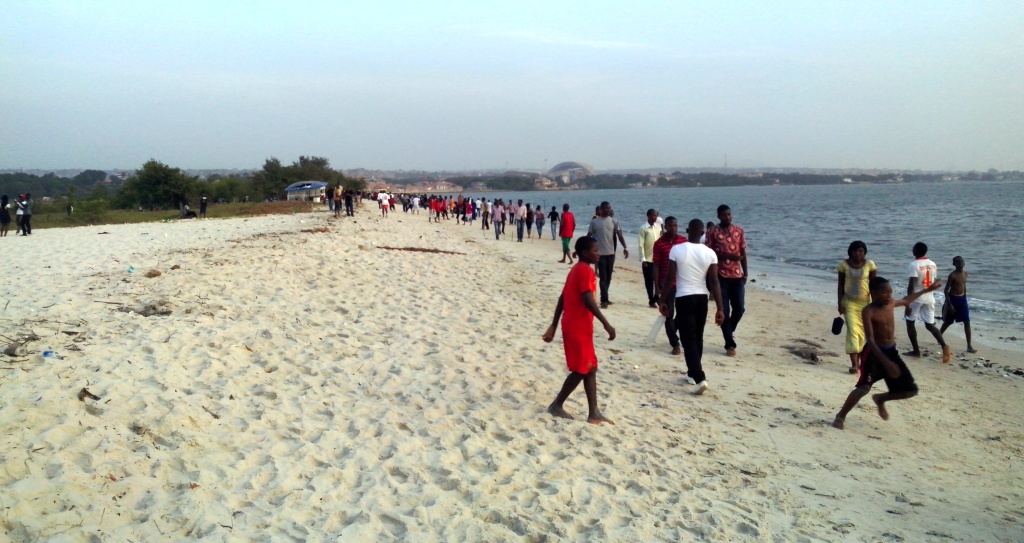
pixel 956 297
pixel 881 359
pixel 577 300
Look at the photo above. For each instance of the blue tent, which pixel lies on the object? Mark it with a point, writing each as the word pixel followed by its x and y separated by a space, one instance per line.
pixel 306 190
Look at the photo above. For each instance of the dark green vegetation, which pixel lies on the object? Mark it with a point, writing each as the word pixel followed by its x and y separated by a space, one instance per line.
pixel 157 191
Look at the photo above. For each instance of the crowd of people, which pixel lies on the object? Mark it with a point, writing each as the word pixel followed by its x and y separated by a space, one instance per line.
pixel 22 214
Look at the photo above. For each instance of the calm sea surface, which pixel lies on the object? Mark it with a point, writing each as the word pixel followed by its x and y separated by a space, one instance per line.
pixel 798 234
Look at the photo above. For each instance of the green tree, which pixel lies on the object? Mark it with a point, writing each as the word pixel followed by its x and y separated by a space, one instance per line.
pixel 88 178
pixel 159 186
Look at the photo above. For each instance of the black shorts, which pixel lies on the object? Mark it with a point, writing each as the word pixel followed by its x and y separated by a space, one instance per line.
pixel 872 370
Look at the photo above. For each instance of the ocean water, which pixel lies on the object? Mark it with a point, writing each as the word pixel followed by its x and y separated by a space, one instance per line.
pixel 796 235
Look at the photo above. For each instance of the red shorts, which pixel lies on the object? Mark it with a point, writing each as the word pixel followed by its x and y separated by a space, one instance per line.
pixel 580 356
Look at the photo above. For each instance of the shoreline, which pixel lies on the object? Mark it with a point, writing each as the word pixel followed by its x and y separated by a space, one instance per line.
pixel 309 384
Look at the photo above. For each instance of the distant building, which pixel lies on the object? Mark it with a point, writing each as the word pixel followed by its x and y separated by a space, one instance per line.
pixel 569 172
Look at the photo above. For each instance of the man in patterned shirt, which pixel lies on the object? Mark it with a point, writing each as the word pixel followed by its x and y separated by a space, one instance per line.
pixel 729 243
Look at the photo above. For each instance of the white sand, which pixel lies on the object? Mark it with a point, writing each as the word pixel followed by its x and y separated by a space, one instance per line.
pixel 308 386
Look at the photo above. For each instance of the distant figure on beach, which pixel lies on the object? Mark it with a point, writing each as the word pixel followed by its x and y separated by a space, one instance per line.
pixel 497 218
pixel 203 202
pixel 5 215
pixel 553 221
pixel 336 202
pixel 520 220
pixel 695 269
pixel 350 210
pixel 650 232
pixel 854 274
pixel 538 220
pixel 923 272
pixel 881 360
pixel 566 231
pixel 19 213
pixel 729 243
pixel 576 308
pixel 660 263
pixel 385 203
pixel 26 218
pixel 529 221
pixel 955 308
pixel 606 230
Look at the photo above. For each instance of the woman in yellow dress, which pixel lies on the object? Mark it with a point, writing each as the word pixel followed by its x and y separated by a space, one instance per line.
pixel 854 274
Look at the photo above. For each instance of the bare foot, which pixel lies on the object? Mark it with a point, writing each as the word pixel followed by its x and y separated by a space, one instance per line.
pixel 598 418
pixel 881 407
pixel 677 351
pixel 853 370
pixel 947 354
pixel 915 354
pixel 559 412
pixel 838 423
pixel 972 350
pixel 730 352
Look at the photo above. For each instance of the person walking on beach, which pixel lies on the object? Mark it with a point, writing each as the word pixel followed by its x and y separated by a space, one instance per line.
pixel 349 207
pixel 729 243
pixel 660 264
pixel 881 360
pixel 553 220
pixel 650 232
pixel 695 269
pixel 5 216
pixel 485 217
pixel 19 213
pixel 854 274
pixel 922 273
pixel 521 212
pixel 497 217
pixel 203 202
pixel 538 220
pixel 576 308
pixel 566 231
pixel 605 229
pixel 529 221
pixel 26 218
pixel 956 300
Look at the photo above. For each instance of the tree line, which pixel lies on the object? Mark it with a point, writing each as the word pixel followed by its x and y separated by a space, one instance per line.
pixel 157 186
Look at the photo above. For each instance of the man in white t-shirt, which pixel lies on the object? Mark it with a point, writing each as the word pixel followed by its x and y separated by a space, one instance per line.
pixel 922 273
pixel 695 268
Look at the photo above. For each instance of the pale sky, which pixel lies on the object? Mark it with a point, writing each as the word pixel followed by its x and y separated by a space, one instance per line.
pixel 484 84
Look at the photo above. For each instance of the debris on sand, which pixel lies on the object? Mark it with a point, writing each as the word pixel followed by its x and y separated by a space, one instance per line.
pixel 159 308
pixel 809 351
pixel 153 273
pixel 84 393
pixel 421 250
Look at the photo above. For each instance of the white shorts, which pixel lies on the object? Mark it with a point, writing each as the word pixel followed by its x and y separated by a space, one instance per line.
pixel 921 312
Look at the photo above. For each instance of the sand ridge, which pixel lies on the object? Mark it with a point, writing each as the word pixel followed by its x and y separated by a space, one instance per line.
pixel 310 386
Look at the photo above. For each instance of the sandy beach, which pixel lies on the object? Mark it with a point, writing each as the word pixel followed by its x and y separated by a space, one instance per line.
pixel 296 381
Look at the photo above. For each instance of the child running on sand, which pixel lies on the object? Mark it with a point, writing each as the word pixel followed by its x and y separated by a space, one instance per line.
pixel 580 308
pixel 880 359
pixel 956 299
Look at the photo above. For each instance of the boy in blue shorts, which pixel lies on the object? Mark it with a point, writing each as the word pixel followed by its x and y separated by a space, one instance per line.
pixel 955 309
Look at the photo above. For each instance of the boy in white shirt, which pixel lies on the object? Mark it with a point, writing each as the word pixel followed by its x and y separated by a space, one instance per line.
pixel 923 273
pixel 695 268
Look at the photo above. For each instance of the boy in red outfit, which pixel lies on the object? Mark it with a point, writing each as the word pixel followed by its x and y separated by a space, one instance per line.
pixel 577 302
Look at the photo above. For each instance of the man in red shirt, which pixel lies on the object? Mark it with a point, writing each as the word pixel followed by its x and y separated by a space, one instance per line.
pixel 565 231
pixel 670 238
pixel 728 242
